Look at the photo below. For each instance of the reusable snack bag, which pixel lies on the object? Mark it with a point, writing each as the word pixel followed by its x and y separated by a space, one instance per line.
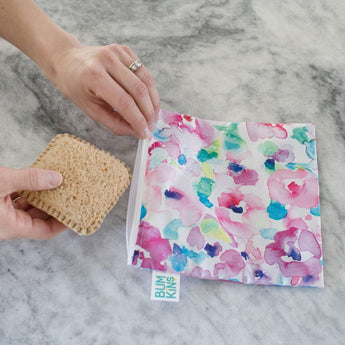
pixel 235 201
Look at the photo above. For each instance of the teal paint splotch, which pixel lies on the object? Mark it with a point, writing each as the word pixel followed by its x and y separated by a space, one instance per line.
pixel 205 186
pixel 182 159
pixel 232 139
pixel 300 134
pixel 158 155
pixel 204 156
pixel 315 211
pixel 268 234
pixel 276 210
pixel 311 149
pixel 295 166
pixel 171 229
pixel 204 200
pixel 143 212
pixel 178 262
pixel 198 258
pixel 204 189
pixel 162 134
pixel 179 259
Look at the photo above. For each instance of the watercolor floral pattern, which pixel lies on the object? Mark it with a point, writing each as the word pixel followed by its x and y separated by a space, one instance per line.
pixel 231 201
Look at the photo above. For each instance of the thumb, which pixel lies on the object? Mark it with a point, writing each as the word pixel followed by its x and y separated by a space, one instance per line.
pixel 28 179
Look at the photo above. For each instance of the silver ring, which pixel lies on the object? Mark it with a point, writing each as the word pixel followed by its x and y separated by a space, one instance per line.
pixel 16 199
pixel 134 66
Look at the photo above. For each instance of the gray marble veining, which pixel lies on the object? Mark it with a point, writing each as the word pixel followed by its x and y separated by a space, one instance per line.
pixel 256 60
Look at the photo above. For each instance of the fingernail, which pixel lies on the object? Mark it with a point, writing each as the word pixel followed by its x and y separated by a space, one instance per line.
pixel 54 178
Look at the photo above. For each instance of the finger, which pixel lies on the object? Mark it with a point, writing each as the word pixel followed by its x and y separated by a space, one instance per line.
pixel 143 74
pixel 44 229
pixel 136 88
pixel 27 179
pixel 110 118
pixel 114 95
pixel 146 77
pixel 14 196
pixel 18 202
pixel 21 204
pixel 36 228
pixel 36 213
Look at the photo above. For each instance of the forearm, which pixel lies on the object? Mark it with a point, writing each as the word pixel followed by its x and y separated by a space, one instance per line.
pixel 26 26
pixel 97 79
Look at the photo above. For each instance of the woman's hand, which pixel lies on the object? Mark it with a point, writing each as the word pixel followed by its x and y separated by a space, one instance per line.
pixel 98 80
pixel 18 219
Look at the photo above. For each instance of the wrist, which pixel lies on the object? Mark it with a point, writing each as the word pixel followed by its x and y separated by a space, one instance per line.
pixel 51 55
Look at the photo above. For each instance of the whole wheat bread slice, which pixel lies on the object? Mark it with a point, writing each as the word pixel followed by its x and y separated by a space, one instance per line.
pixel 93 181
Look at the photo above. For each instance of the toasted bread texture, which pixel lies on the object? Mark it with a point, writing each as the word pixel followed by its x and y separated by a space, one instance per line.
pixel 93 181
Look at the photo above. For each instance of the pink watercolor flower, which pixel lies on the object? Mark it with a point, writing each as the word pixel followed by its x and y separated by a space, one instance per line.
pixel 296 223
pixel 189 207
pixel 203 128
pixel 205 131
pixel 173 149
pixel 284 154
pixel 254 255
pixel 297 188
pixel 160 175
pixel 244 176
pixel 233 264
pixel 171 118
pixel 155 178
pixel 231 199
pixel 238 157
pixel 241 215
pixel 265 130
pixel 149 239
pixel 198 272
pixel 297 254
pixel 188 133
pixel 195 238
pixel 258 274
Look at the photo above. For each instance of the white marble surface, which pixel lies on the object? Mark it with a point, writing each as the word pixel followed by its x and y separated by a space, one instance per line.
pixel 272 61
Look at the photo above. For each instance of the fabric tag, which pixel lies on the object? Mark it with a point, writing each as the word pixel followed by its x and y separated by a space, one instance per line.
pixel 165 287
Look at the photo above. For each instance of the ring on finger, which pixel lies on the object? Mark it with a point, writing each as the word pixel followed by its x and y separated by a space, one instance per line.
pixel 16 199
pixel 135 65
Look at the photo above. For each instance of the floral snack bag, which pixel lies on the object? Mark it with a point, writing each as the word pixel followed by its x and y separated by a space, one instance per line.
pixel 227 201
